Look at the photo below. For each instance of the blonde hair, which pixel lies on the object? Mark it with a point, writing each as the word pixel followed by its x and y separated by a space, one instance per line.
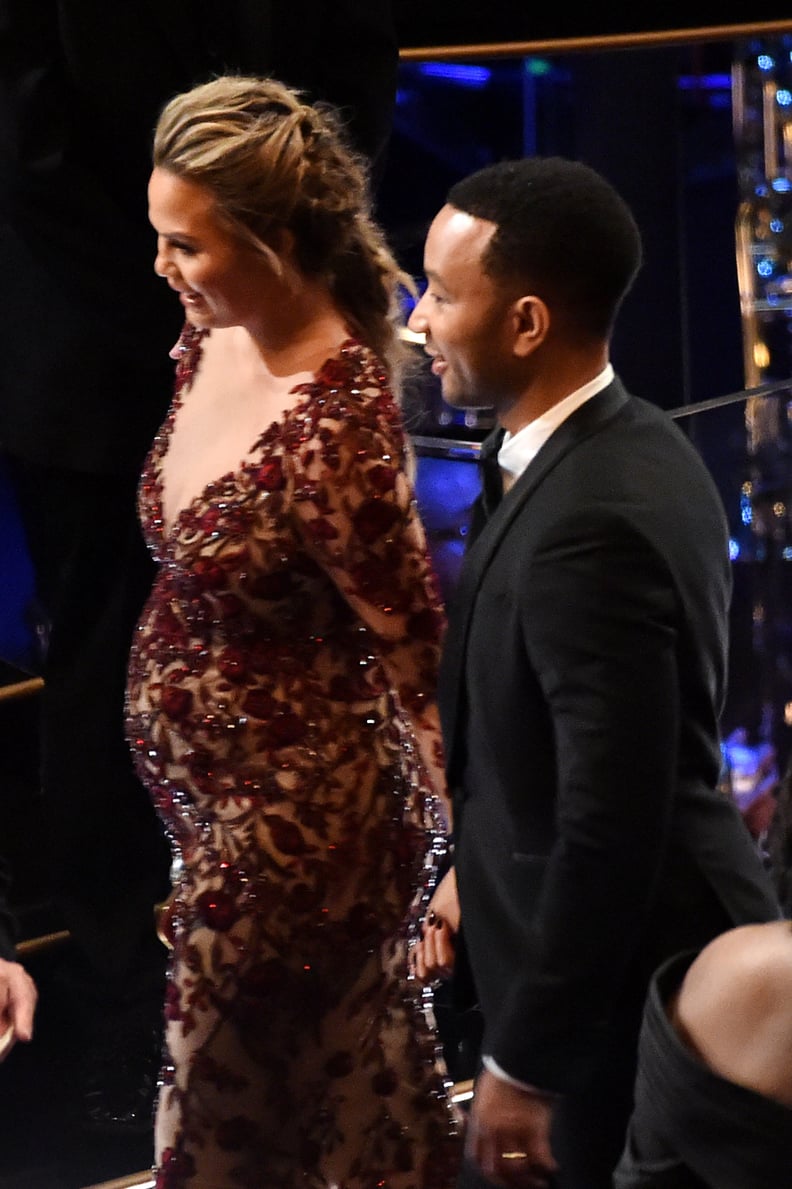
pixel 274 162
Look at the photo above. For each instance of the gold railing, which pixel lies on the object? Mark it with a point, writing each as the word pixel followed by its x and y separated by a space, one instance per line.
pixel 21 689
pixel 610 41
pixel 135 1180
pixel 36 945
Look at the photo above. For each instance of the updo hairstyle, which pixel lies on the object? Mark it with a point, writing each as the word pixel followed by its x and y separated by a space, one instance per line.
pixel 274 162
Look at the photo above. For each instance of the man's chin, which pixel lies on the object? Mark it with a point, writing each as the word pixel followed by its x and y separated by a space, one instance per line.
pixel 461 400
pixel 453 397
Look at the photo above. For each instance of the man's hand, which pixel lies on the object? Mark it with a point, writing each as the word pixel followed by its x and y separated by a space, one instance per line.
pixel 508 1134
pixel 432 957
pixel 18 997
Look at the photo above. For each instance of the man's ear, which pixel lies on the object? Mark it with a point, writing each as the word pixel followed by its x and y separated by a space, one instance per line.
pixel 531 323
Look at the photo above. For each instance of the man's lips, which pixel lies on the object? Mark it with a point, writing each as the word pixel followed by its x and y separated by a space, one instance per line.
pixel 438 362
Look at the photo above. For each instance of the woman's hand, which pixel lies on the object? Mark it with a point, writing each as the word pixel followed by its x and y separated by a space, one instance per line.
pixel 432 956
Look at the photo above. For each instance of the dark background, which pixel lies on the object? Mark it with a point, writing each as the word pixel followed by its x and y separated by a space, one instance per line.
pixel 657 121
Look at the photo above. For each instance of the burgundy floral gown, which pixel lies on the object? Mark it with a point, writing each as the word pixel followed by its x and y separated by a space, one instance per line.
pixel 276 690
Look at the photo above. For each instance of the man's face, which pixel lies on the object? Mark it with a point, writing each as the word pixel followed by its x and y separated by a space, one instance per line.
pixel 464 314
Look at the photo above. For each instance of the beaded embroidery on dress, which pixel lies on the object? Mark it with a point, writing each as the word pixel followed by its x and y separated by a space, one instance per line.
pixel 291 637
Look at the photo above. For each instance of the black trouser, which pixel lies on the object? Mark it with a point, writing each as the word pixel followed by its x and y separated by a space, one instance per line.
pixel 108 858
pixel 691 1128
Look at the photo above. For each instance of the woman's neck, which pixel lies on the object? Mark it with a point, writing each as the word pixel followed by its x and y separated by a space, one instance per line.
pixel 301 332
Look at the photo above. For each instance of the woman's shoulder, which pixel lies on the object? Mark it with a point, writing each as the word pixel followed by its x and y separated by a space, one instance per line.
pixel 353 366
pixel 353 384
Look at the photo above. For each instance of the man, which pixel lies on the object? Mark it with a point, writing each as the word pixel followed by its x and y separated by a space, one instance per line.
pixel 582 680
pixel 714 1085
pixel 86 380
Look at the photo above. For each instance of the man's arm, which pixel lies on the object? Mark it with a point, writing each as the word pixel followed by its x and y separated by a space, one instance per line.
pixel 599 622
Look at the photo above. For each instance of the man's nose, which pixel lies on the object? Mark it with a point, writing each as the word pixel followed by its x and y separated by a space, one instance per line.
pixel 417 319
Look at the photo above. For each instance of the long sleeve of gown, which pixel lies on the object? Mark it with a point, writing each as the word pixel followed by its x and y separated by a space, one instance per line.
pixel 360 520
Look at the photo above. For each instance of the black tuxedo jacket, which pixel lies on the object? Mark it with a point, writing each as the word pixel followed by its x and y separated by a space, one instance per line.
pixel 580 692
pixel 85 325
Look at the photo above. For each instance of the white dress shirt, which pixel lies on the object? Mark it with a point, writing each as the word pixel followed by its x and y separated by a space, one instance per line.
pixel 518 449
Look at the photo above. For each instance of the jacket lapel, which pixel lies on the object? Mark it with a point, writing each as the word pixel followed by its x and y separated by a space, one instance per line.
pixel 589 419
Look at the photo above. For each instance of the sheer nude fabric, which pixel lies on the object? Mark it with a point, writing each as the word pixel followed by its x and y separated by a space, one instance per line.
pixel 277 697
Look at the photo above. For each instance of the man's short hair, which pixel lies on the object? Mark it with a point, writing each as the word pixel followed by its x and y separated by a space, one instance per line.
pixel 563 233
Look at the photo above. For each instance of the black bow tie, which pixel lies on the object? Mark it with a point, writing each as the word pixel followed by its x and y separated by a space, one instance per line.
pixel 491 492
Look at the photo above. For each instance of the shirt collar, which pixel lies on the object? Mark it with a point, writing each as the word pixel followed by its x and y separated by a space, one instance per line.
pixel 519 449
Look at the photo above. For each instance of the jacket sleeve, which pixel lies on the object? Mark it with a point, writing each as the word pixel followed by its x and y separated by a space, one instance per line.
pixel 600 623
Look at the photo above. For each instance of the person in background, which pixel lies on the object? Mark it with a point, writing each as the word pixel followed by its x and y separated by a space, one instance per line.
pixel 18 993
pixel 281 696
pixel 582 679
pixel 86 378
pixel 714 1087
pixel 750 775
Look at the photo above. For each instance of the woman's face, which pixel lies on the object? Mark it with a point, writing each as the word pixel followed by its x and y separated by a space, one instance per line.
pixel 221 279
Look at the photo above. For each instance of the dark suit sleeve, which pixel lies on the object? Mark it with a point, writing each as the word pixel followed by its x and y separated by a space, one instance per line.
pixel 599 626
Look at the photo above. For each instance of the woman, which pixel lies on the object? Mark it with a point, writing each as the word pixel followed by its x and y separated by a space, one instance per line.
pixel 282 675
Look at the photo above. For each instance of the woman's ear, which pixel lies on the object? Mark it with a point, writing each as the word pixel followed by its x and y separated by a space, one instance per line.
pixel 282 241
pixel 278 251
pixel 531 323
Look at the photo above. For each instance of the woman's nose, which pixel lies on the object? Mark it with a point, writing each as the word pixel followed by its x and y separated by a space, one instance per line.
pixel 163 267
